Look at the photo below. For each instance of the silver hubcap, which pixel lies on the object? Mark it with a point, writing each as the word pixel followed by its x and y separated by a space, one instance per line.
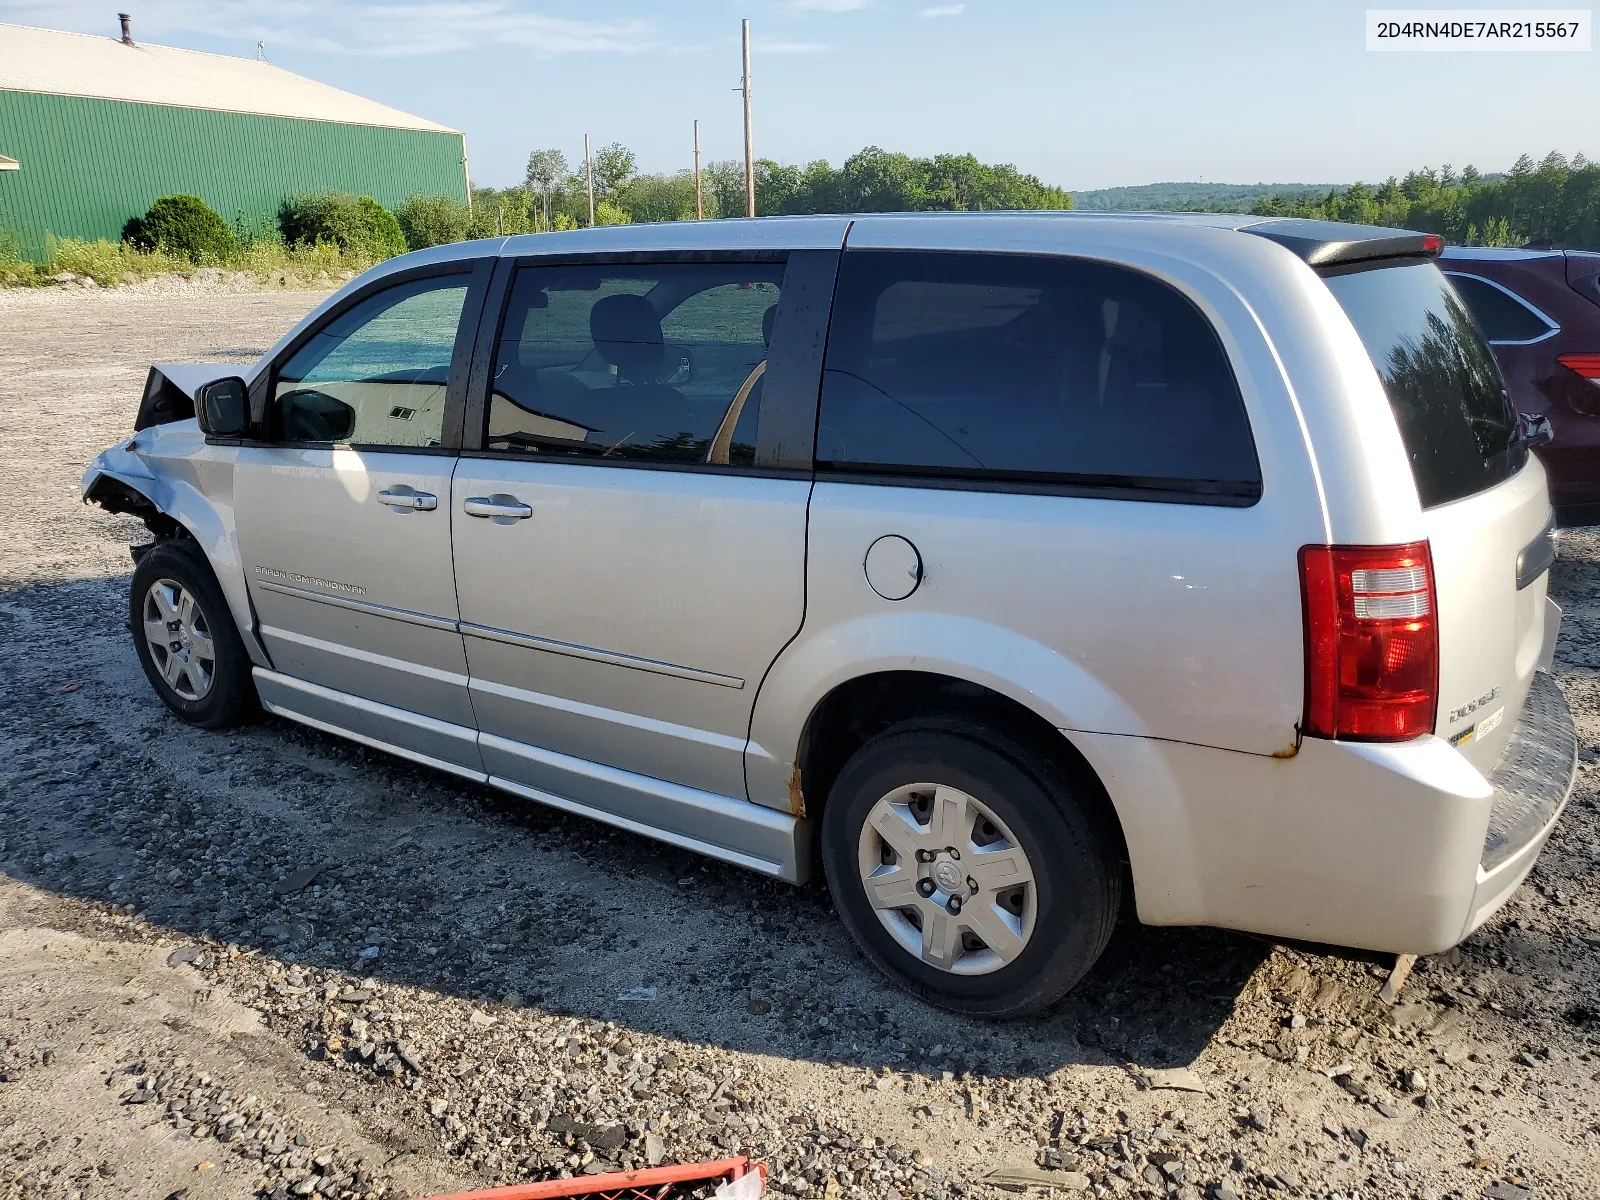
pixel 179 639
pixel 948 880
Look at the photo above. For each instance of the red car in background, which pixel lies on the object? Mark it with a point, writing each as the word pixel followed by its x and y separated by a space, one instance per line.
pixel 1540 310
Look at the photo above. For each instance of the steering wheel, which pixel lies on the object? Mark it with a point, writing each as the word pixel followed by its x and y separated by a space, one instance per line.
pixel 722 440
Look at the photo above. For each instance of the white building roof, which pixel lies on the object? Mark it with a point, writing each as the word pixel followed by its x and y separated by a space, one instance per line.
pixel 80 64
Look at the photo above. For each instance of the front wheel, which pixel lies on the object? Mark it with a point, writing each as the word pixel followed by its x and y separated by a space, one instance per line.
pixel 972 869
pixel 185 637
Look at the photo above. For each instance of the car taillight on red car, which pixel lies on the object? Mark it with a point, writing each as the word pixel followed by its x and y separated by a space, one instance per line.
pixel 1372 642
pixel 1587 365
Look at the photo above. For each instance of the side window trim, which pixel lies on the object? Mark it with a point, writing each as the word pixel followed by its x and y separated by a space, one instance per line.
pixel 786 432
pixel 786 437
pixel 477 271
pixel 1552 327
pixel 475 409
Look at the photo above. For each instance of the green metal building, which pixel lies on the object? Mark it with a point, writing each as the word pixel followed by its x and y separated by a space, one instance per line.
pixel 100 128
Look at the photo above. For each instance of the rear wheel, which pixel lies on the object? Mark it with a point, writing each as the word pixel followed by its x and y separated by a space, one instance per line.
pixel 185 637
pixel 970 868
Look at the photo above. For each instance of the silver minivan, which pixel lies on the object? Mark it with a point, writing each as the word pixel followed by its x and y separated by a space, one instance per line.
pixel 1010 566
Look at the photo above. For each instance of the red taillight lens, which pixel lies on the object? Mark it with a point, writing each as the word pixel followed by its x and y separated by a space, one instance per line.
pixel 1587 365
pixel 1372 642
pixel 1432 243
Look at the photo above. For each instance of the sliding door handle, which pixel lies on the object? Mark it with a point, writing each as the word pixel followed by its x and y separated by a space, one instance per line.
pixel 500 508
pixel 403 498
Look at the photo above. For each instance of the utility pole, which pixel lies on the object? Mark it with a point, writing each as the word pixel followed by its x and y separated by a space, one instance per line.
pixel 749 145
pixel 698 213
pixel 588 170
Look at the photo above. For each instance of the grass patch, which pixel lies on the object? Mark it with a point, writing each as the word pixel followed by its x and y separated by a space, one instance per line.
pixel 106 262
pixel 268 260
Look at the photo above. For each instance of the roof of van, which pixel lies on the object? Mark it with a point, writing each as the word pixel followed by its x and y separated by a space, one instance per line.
pixel 1320 243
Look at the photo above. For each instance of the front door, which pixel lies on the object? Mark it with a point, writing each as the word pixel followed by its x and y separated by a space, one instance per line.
pixel 344 523
pixel 629 548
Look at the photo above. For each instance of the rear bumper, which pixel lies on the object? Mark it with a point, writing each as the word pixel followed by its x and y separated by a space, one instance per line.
pixel 1531 787
pixel 1405 848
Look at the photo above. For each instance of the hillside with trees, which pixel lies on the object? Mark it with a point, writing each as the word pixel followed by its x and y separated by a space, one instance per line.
pixel 1192 197
pixel 554 193
pixel 1555 198
pixel 1552 200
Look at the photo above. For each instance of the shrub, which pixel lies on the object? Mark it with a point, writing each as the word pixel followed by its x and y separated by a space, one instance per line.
pixel 356 224
pixel 10 246
pixel 14 269
pixel 501 212
pixel 185 226
pixel 608 213
pixel 432 221
pixel 658 198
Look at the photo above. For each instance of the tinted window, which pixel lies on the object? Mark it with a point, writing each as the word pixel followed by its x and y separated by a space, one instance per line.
pixel 1028 369
pixel 659 363
pixel 376 374
pixel 1501 316
pixel 1440 375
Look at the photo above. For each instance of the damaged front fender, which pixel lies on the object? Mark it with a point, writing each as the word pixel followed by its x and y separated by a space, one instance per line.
pixel 178 485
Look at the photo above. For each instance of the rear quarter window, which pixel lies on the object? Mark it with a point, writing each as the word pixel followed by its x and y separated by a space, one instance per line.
pixel 1502 316
pixel 1027 370
pixel 1448 399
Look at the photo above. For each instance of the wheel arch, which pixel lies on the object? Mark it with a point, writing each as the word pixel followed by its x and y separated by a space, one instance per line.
pixel 173 507
pixel 860 708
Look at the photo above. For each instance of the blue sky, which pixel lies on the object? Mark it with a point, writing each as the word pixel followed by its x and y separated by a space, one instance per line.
pixel 1082 94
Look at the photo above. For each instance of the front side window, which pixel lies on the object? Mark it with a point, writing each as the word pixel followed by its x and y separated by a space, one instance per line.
pixel 658 363
pixel 1028 369
pixel 376 374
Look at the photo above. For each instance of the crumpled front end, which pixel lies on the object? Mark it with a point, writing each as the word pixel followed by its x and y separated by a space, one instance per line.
pixel 180 486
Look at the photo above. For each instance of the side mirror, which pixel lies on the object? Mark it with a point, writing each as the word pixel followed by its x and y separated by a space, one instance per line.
pixel 307 415
pixel 677 366
pixel 223 407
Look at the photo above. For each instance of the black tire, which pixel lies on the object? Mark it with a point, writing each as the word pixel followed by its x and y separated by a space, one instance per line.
pixel 1074 857
pixel 230 696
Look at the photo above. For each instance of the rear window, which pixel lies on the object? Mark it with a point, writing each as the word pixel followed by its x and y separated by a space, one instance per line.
pixel 1027 370
pixel 1440 375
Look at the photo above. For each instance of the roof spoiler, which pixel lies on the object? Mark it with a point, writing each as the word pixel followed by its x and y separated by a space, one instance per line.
pixel 1326 243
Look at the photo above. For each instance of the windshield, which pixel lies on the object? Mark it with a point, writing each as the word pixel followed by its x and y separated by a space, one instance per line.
pixel 1440 375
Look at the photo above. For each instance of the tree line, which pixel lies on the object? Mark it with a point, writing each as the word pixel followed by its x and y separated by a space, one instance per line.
pixel 1554 201
pixel 554 193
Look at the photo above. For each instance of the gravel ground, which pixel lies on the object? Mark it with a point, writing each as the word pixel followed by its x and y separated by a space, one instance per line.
pixel 269 962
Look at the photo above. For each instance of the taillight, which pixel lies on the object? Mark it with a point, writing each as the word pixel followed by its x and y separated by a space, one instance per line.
pixel 1432 243
pixel 1372 642
pixel 1587 365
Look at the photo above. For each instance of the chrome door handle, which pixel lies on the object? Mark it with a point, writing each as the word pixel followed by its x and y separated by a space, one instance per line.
pixel 398 498
pixel 501 508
